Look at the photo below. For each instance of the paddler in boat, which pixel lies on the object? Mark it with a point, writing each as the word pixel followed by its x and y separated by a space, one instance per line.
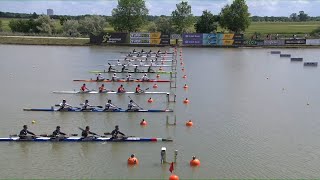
pixel 132 106
pixel 57 132
pixel 114 77
pixel 159 51
pixel 129 77
pixel 86 106
pixel 138 89
pixel 110 106
pixel 134 51
pixel 141 63
pixel 86 132
pixel 145 77
pixel 116 132
pixel 121 89
pixel 119 63
pixel 102 89
pixel 64 106
pixel 100 77
pixel 136 69
pixel 24 133
pixel 110 68
pixel 142 51
pixel 84 88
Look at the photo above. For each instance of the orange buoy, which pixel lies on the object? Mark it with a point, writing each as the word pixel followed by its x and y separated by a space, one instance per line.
pixel 184 76
pixel 158 76
pixel 186 101
pixel 132 160
pixel 194 161
pixel 160 69
pixel 185 86
pixel 143 123
pixel 174 177
pixel 189 123
pixel 155 86
pixel 150 100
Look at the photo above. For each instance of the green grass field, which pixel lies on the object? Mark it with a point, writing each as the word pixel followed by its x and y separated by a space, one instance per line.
pixel 286 28
pixel 264 28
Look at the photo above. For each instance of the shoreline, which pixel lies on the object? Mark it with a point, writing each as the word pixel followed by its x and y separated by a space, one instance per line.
pixel 66 41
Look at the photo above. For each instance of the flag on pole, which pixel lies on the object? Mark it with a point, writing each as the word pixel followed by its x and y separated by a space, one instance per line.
pixel 171 167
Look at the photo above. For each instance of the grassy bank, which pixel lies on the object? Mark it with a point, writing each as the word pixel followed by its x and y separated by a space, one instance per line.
pixel 44 40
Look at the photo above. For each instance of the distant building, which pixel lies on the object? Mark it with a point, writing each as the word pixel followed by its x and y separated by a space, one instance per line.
pixel 49 12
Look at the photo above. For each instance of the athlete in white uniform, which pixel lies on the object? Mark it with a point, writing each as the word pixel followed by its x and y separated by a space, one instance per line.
pixel 100 77
pixel 114 77
pixel 86 106
pixel 145 77
pixel 110 106
pixel 132 106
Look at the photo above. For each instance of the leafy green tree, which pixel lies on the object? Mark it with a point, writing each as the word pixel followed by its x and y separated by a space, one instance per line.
pixel 316 32
pixel 152 27
pixel 294 17
pixel 34 15
pixel 92 25
pixel 182 17
pixel 62 19
pixel 302 16
pixel 129 15
pixel 235 17
pixel 164 25
pixel 207 23
pixel 46 24
pixel 71 28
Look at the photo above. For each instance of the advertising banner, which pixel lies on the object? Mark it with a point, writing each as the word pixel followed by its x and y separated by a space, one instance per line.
pixel 209 42
pixel 253 42
pixel 209 36
pixel 229 36
pixel 230 42
pixel 313 41
pixel 139 41
pixel 273 42
pixel 137 35
pixel 175 36
pixel 196 36
pixel 159 35
pixel 192 41
pixel 160 41
pixel 173 41
pixel 110 38
pixel 295 41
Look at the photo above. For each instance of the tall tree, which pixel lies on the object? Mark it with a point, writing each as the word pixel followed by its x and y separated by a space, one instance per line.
pixel 71 28
pixel 207 23
pixel 294 17
pixel 303 16
pixel 92 25
pixel 129 15
pixel 46 24
pixel 235 17
pixel 182 17
pixel 163 25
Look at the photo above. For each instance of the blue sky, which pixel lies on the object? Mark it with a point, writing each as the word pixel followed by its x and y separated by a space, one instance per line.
pixel 159 7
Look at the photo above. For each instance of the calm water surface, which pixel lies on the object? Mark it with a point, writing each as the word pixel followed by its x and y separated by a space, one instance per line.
pixel 249 108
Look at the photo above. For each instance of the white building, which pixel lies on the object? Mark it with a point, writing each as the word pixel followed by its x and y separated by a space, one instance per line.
pixel 49 12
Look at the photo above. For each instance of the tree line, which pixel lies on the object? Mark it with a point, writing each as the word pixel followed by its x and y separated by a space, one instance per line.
pixel 133 15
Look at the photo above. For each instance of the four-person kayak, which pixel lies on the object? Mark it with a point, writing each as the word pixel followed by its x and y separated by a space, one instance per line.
pixel 121 80
pixel 105 92
pixel 81 139
pixel 76 109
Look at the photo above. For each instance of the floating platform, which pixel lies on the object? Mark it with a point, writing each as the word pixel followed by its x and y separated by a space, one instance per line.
pixel 285 55
pixel 275 52
pixel 297 59
pixel 310 64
